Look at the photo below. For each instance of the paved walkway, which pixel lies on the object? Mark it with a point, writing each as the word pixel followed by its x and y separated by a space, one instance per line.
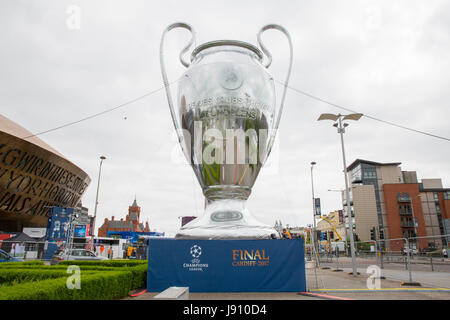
pixel 354 287
pixel 425 278
pixel 394 263
pixel 398 272
pixel 342 284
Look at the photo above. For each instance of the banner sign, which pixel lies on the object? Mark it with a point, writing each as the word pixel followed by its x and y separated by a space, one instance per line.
pixel 317 206
pixel 227 265
pixel 79 231
pixel 132 236
pixel 58 226
pixel 341 217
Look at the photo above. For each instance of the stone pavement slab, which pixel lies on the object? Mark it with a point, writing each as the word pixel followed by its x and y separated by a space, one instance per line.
pixel 344 285
pixel 335 283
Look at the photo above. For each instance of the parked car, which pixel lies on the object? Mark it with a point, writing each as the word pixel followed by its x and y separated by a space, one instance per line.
pixel 411 251
pixel 76 254
pixel 6 257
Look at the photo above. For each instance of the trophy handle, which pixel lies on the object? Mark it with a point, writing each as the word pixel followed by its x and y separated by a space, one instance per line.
pixel 164 74
pixel 267 65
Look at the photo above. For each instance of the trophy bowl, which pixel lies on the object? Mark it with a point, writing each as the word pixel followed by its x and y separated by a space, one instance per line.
pixel 226 118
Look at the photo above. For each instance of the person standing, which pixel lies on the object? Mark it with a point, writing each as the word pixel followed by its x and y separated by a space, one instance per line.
pixel 286 234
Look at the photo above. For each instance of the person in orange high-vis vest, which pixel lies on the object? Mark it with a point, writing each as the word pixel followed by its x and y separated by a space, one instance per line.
pixel 129 251
pixel 286 234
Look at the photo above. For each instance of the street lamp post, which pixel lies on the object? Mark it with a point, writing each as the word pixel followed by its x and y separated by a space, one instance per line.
pixel 313 231
pixel 96 197
pixel 413 217
pixel 415 222
pixel 314 208
pixel 341 130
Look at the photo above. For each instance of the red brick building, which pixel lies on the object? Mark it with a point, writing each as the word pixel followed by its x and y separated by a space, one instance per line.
pixel 131 223
pixel 405 216
pixel 415 211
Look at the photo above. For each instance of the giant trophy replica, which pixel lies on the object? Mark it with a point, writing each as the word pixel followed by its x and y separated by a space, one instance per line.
pixel 226 119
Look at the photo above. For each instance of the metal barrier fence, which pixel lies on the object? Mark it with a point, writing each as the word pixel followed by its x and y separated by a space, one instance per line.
pixel 429 253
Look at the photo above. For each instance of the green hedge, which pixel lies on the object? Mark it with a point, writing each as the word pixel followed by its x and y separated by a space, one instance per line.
pixel 99 280
pixel 14 276
pixel 106 263
pixel 32 263
pixel 64 267
pixel 110 285
pixel 84 265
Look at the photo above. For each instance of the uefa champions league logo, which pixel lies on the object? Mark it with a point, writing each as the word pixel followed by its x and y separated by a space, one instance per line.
pixel 196 251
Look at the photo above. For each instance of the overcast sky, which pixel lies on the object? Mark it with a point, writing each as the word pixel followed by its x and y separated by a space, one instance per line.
pixel 386 59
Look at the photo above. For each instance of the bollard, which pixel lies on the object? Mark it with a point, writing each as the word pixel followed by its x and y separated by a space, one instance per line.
pixel 337 263
pixel 431 262
pixel 408 257
pixel 376 253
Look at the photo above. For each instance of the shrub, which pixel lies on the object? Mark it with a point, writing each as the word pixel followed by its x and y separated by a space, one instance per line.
pixel 108 285
pixel 105 263
pixel 32 263
pixel 57 267
pixel 13 276
pixel 99 280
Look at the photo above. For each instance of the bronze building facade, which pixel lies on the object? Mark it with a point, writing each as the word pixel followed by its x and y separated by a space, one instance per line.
pixel 33 177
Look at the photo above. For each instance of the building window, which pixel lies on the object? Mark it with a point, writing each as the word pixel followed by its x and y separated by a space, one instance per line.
pixel 403 196
pixel 369 174
pixel 356 173
pixel 438 208
pixel 436 197
pixel 404 208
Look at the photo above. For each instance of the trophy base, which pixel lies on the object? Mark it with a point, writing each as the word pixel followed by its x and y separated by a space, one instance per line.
pixel 234 233
pixel 226 219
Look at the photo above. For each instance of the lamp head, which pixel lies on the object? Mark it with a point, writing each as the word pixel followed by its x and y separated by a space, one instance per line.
pixel 103 157
pixel 328 116
pixel 353 116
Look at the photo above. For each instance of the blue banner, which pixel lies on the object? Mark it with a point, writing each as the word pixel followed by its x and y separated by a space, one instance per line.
pixel 59 223
pixel 227 265
pixel 79 231
pixel 52 248
pixel 132 236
